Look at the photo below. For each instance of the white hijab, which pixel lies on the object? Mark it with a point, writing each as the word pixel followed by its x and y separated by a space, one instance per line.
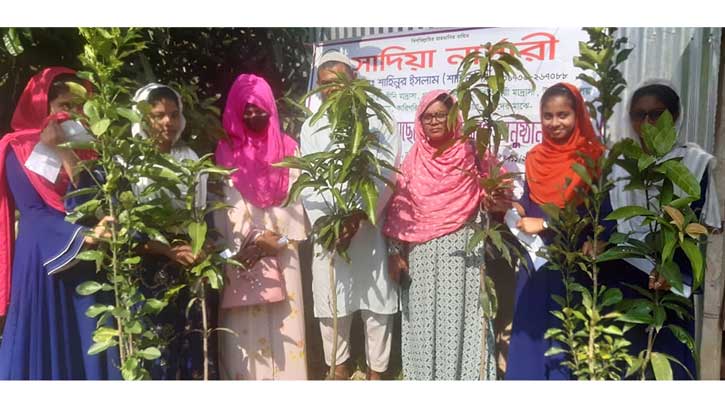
pixel 178 150
pixel 693 157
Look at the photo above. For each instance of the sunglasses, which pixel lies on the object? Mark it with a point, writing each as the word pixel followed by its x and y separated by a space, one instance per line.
pixel 640 116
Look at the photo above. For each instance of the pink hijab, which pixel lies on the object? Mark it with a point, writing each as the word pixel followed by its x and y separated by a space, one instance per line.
pixel 253 153
pixel 29 119
pixel 433 196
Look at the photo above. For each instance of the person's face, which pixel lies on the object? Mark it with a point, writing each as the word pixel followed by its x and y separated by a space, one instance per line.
pixel 165 120
pixel 434 120
pixel 647 109
pixel 255 118
pixel 558 118
pixel 64 103
pixel 328 76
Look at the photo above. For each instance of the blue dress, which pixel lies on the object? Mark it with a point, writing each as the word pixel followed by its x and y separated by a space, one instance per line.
pixel 532 312
pixel 47 333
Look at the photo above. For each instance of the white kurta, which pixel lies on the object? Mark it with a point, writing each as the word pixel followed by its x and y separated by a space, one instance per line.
pixel 362 284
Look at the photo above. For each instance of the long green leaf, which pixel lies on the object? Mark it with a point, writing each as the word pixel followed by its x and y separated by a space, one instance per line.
pixel 661 366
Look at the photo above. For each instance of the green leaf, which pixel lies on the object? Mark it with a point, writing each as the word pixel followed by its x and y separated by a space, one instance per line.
pixel 683 336
pixel 90 255
pixel 81 192
pixel 554 351
pixel 681 176
pixel 659 317
pixel 693 253
pixel 99 347
pixel 133 328
pixel 197 232
pixel 104 334
pixel 665 136
pixel 97 309
pixel 150 353
pixel 582 172
pixel 661 366
pixel 621 252
pixel 153 306
pixel 77 89
pixel 88 288
pixel 132 260
pixel 671 271
pixel 475 240
pixel 627 212
pixel 618 238
pixel 639 315
pixel 644 161
pixel 99 128
pixel 634 368
pixel 370 197
pixel 129 114
pixel 611 296
pixel 612 330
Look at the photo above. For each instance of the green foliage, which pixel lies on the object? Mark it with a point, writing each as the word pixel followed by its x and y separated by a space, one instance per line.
pixel 483 76
pixel 673 226
pixel 603 55
pixel 594 317
pixel 479 95
pixel 592 325
pixel 347 175
pixel 160 211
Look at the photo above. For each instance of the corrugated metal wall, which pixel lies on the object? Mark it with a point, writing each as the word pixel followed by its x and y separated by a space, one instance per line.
pixel 690 58
pixel 322 34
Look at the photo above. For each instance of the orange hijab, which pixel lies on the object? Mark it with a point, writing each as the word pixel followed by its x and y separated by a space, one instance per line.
pixel 548 164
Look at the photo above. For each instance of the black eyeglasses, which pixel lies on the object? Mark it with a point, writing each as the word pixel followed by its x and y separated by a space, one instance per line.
pixel 640 116
pixel 428 118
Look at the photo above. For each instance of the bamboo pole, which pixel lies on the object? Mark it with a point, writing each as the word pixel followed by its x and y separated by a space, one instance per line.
pixel 712 319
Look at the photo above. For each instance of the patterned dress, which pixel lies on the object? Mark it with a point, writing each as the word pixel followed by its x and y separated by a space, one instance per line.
pixel 442 316
pixel 269 338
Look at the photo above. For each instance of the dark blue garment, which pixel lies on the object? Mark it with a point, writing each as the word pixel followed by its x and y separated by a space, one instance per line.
pixel 533 304
pixel 181 353
pixel 47 333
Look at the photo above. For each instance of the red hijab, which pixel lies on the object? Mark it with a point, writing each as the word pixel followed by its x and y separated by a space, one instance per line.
pixel 548 164
pixel 30 118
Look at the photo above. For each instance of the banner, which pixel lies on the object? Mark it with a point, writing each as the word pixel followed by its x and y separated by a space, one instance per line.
pixel 407 66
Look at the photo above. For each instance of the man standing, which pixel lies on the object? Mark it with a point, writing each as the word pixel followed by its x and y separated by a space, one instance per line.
pixel 363 284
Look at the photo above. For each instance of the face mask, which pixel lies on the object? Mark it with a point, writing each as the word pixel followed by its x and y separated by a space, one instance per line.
pixel 257 123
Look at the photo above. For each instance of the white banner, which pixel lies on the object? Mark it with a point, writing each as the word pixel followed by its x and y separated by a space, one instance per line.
pixel 407 66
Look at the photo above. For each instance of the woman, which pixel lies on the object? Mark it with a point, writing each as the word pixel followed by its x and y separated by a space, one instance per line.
pixel 567 131
pixel 647 104
pixel 262 303
pixel 47 334
pixel 163 265
pixel 427 225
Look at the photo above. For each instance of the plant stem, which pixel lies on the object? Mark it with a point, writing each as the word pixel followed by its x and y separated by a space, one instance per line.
pixel 114 266
pixel 205 330
pixel 650 340
pixel 482 288
pixel 333 294
pixel 595 289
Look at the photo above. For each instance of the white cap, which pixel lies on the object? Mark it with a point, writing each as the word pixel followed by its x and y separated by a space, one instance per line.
pixel 336 56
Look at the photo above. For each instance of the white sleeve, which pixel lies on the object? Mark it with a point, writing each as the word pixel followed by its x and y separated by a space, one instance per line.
pixel 393 143
pixel 314 203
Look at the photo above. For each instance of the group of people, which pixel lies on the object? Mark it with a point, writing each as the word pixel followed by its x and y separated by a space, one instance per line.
pixel 416 262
